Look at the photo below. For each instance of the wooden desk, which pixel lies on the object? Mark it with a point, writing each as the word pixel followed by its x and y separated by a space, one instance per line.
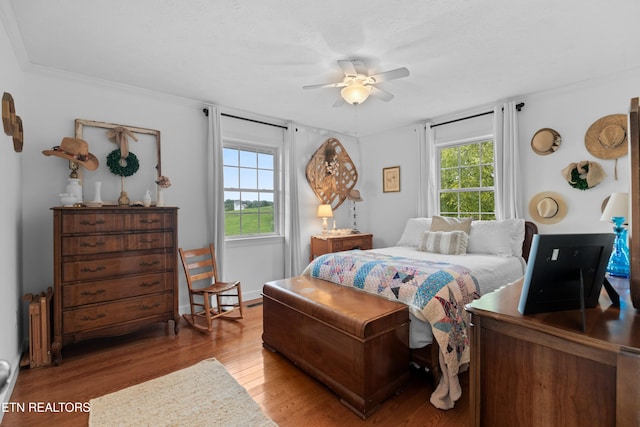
pixel 321 245
pixel 542 370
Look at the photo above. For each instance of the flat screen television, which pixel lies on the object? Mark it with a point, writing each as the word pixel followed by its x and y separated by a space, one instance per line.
pixel 565 272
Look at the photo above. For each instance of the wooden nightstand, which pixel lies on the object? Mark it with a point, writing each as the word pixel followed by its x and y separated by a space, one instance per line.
pixel 321 245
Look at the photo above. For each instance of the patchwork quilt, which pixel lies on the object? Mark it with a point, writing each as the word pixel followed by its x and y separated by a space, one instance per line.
pixel 435 292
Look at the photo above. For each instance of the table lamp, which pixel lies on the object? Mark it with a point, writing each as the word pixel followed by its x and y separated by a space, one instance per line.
pixel 324 212
pixel 617 211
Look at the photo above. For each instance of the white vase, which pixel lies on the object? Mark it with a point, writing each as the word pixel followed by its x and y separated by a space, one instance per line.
pixel 160 201
pixel 146 200
pixel 74 189
pixel 97 198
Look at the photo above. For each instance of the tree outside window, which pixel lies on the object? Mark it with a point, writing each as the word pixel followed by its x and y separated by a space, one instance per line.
pixel 467 180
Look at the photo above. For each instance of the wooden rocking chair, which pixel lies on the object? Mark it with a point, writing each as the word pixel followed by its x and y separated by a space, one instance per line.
pixel 200 267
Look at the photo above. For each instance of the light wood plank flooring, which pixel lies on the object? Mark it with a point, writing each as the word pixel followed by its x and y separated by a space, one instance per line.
pixel 286 394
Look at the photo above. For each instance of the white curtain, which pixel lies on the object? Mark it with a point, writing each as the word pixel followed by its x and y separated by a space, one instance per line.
pixel 428 198
pixel 292 246
pixel 507 165
pixel 215 178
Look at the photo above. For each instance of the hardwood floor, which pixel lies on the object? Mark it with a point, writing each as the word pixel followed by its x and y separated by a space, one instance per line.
pixel 286 394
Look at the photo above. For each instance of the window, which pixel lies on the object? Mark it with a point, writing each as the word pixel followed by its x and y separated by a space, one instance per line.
pixel 250 176
pixel 467 180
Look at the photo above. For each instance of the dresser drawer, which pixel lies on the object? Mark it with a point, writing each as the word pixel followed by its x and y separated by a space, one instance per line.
pixel 96 221
pixel 104 243
pixel 108 290
pixel 91 222
pixel 100 315
pixel 358 243
pixel 116 266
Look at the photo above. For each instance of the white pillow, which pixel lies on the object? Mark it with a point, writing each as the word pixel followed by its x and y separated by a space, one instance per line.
pixel 499 237
pixel 413 231
pixel 445 242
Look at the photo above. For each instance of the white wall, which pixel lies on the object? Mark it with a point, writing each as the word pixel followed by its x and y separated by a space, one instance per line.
pixel 569 110
pixel 385 214
pixel 11 168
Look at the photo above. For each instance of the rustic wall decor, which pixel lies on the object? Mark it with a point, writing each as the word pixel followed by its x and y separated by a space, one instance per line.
pixel 331 173
pixel 143 168
pixel 11 122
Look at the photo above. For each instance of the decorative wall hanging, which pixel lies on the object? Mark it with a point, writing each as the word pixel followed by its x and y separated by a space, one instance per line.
pixel 547 207
pixel 141 168
pixel 545 141
pixel 391 179
pixel 606 138
pixel 12 123
pixel 584 175
pixel 331 173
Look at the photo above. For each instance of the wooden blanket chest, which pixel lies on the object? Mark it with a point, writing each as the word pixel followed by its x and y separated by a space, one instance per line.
pixel 355 343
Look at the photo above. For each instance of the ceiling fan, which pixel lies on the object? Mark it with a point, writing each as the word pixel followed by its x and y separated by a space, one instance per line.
pixel 357 85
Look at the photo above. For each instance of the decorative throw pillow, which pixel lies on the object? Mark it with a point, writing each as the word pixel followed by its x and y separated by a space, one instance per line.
pixel 440 223
pixel 413 231
pixel 445 242
pixel 498 237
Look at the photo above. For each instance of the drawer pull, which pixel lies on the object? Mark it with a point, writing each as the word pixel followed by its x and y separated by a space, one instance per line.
pixel 149 285
pixel 149 221
pixel 149 307
pixel 89 318
pixel 87 222
pixel 90 294
pixel 92 245
pixel 93 270
pixel 149 241
pixel 149 264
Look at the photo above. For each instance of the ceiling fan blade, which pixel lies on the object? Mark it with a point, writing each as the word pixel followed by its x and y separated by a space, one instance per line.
pixel 337 84
pixel 381 94
pixel 339 102
pixel 389 75
pixel 348 67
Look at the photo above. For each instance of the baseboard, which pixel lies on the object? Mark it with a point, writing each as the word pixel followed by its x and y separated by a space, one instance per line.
pixel 5 396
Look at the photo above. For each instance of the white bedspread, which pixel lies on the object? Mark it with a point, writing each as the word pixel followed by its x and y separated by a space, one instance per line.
pixel 491 271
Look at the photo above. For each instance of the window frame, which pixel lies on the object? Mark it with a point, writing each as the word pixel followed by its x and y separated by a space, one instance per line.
pixel 265 148
pixel 439 146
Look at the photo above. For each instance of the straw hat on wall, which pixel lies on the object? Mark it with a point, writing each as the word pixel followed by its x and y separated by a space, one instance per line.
pixel 545 141
pixel 547 207
pixel 606 138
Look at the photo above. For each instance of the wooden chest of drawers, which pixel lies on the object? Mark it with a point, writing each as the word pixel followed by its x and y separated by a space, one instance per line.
pixel 115 270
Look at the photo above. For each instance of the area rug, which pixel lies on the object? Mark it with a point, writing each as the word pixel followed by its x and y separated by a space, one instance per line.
pixel 204 394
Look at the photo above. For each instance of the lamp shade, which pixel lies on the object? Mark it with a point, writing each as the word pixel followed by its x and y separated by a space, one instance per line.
pixel 356 93
pixel 618 205
pixel 324 211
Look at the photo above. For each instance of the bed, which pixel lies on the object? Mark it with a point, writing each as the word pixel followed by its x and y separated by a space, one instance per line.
pixel 436 286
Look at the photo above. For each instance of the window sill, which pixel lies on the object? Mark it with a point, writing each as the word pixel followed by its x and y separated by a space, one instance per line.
pixel 253 241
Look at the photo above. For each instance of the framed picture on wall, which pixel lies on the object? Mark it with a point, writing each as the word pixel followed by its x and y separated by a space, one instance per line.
pixel 391 179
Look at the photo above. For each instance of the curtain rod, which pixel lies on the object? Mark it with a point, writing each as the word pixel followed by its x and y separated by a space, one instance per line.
pixel 518 108
pixel 206 113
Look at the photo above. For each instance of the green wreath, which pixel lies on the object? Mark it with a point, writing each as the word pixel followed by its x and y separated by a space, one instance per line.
pixel 127 167
pixel 577 181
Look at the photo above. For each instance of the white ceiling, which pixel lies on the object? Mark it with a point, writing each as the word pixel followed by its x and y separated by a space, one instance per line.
pixel 255 55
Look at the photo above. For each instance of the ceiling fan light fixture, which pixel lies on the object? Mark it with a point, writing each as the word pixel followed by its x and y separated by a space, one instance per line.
pixel 355 93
